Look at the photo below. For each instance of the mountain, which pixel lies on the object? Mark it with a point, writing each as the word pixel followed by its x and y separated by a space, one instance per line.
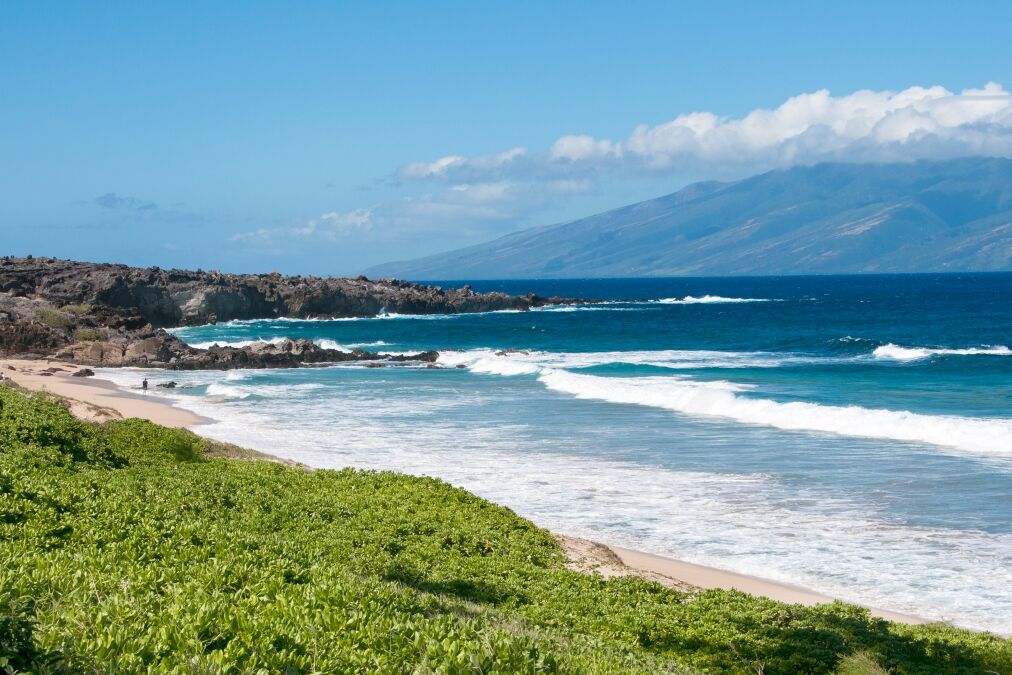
pixel 927 216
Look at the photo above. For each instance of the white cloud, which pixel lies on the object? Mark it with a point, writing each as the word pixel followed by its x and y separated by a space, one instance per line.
pixel 916 123
pixel 432 169
pixel 489 194
pixel 580 148
pixel 331 225
pixel 863 126
pixel 335 224
pixel 459 167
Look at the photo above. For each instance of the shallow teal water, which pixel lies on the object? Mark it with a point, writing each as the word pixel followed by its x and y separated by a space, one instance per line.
pixel 853 435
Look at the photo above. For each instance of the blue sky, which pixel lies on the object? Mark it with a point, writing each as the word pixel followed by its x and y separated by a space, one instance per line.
pixel 328 137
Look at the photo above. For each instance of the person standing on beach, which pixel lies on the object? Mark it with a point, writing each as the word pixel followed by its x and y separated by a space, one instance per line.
pixel 144 385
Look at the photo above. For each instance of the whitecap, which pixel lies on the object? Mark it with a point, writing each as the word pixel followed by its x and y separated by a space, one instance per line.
pixel 898 353
pixel 235 343
pixel 986 436
pixel 707 300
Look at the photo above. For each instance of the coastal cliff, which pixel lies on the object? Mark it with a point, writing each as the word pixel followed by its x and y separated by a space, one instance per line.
pixel 169 298
pixel 99 314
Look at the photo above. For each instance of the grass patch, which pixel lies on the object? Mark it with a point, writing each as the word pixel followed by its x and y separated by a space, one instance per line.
pixel 53 318
pixel 126 549
pixel 77 310
pixel 89 335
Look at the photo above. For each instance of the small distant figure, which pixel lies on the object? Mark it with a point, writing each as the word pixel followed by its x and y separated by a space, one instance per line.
pixel 1 377
pixel 144 384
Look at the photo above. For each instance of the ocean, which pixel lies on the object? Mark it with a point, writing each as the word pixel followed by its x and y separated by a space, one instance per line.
pixel 851 435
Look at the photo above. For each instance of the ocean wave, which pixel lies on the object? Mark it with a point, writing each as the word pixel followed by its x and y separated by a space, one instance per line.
pixel 707 300
pixel 226 391
pixel 234 343
pixel 598 307
pixel 331 344
pixel 499 362
pixel 897 353
pixel 707 399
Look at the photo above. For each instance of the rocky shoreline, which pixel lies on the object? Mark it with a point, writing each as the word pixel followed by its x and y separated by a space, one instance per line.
pixel 95 314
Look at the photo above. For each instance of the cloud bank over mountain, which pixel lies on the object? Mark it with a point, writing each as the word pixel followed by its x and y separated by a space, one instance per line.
pixel 830 218
pixel 476 198
pixel 865 126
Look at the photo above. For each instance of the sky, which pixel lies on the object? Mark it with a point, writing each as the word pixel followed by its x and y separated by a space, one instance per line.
pixel 326 137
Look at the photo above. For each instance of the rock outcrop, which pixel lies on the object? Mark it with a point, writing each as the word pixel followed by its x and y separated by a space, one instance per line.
pixel 113 315
pixel 166 298
pixel 162 350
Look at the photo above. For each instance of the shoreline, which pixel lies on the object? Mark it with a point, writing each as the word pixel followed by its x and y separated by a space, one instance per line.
pixel 98 400
pixel 94 399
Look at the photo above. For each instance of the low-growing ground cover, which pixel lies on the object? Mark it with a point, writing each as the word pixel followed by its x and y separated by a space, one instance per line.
pixel 125 549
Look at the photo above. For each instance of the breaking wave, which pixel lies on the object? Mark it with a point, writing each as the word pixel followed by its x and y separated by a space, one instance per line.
pixel 721 400
pixel 898 353
pixel 707 300
pixel 235 343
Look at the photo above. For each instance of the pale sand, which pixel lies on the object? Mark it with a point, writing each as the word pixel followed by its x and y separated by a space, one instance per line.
pixel 95 399
pixel 614 561
pixel 98 400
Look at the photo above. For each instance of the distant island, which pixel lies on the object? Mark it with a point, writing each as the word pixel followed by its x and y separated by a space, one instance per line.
pixel 927 216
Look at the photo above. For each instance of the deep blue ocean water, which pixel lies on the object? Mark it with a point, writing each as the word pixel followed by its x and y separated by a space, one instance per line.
pixel 852 435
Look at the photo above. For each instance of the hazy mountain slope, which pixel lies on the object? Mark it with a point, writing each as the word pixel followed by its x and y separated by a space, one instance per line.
pixel 830 218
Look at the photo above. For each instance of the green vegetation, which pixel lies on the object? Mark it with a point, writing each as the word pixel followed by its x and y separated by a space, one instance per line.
pixel 89 334
pixel 77 310
pixel 53 318
pixel 125 549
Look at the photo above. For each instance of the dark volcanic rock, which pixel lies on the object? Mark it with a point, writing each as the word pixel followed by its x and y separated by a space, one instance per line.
pixel 21 338
pixel 112 315
pixel 179 297
pixel 162 350
pixel 83 372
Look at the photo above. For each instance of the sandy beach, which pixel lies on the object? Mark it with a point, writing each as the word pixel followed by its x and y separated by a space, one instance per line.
pixel 95 399
pixel 92 398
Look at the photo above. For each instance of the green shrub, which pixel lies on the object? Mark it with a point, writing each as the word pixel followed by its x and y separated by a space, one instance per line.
pixel 859 663
pixel 136 554
pixel 19 651
pixel 89 335
pixel 44 432
pixel 52 318
pixel 141 440
pixel 77 310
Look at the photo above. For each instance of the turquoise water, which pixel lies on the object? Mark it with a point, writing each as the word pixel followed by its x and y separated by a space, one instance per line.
pixel 848 434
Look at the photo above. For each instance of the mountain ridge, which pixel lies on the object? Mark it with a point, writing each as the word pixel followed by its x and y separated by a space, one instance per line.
pixel 926 216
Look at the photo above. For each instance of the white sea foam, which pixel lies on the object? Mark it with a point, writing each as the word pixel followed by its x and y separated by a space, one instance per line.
pixel 985 436
pixel 225 391
pixel 325 343
pixel 675 359
pixel 898 353
pixel 235 343
pixel 602 307
pixel 331 344
pixel 720 399
pixel 707 300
